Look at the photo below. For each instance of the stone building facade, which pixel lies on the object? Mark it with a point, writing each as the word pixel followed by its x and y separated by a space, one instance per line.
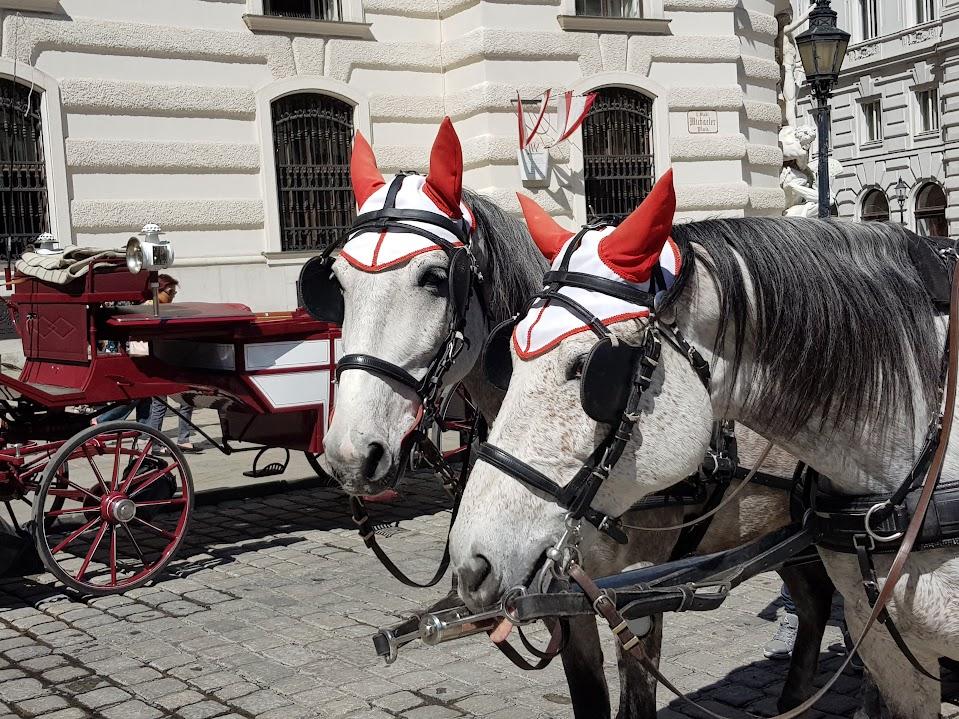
pixel 177 112
pixel 895 112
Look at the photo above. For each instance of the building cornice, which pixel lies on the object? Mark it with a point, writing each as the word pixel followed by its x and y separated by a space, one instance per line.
pixel 306 26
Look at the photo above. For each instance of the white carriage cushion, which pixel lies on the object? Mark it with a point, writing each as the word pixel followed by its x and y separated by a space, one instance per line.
pixel 546 324
pixel 378 251
pixel 64 267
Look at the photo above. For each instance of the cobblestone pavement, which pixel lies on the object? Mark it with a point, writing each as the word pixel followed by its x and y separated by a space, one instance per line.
pixel 269 612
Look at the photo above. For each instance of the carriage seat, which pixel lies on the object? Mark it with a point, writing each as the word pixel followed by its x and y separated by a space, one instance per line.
pixel 181 314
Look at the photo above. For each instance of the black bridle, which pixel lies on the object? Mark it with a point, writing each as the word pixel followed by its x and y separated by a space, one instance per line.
pixel 577 496
pixel 464 277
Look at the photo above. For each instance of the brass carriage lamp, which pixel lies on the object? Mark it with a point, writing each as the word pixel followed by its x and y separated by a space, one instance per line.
pixel 47 244
pixel 151 253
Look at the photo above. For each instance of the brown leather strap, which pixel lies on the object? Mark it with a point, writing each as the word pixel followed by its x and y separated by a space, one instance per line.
pixel 606 607
pixel 557 641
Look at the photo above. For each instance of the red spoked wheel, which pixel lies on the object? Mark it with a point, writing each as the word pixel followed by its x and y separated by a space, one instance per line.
pixel 112 508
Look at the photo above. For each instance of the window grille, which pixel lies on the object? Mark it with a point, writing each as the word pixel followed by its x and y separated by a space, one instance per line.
pixel 23 178
pixel 618 169
pixel 312 140
pixel 310 9
pixel 875 206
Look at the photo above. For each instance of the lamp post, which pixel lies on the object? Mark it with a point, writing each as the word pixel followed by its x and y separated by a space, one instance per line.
pixel 901 189
pixel 822 47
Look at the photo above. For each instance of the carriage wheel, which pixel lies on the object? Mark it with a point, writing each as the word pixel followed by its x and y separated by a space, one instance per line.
pixel 124 510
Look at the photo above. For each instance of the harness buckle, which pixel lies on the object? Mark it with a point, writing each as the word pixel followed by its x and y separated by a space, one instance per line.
pixel 873 535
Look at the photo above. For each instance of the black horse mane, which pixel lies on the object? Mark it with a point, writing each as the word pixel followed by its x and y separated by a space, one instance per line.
pixel 836 315
pixel 515 266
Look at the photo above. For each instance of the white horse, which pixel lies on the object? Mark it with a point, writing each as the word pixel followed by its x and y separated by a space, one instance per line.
pixel 820 335
pixel 396 304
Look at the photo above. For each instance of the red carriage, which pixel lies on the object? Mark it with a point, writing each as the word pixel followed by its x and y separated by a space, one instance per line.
pixel 111 502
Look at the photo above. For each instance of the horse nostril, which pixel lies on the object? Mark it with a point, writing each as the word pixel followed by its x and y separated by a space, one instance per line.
pixel 374 454
pixel 474 573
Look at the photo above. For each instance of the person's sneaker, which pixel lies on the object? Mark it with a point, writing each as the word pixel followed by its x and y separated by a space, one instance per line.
pixel 781 645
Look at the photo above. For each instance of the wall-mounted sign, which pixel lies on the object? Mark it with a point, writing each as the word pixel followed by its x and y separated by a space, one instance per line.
pixel 702 121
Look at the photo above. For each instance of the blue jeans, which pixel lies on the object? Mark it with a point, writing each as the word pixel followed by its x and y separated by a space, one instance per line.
pixel 158 412
pixel 788 604
pixel 123 411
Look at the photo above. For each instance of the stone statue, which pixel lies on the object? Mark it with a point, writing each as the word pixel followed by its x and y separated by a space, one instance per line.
pixel 798 178
pixel 793 75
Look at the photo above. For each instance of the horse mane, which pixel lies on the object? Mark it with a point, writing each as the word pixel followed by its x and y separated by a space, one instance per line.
pixel 514 266
pixel 839 321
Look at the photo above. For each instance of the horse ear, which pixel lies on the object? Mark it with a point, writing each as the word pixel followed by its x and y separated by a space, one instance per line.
pixel 633 248
pixel 365 176
pixel 548 235
pixel 444 183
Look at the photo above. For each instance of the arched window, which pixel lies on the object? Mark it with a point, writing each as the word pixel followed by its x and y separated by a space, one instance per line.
pixel 312 138
pixel 875 207
pixel 618 169
pixel 931 211
pixel 24 211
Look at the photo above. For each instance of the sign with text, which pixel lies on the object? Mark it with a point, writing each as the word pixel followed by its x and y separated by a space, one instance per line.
pixel 702 121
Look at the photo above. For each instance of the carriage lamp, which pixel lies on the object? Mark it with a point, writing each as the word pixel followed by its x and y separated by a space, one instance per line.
pixel 822 48
pixel 902 190
pixel 47 244
pixel 150 253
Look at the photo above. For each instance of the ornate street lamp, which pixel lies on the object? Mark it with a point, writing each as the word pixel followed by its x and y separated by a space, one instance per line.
pixel 822 48
pixel 902 191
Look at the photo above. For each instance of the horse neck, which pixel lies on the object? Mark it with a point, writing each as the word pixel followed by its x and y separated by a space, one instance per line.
pixel 855 457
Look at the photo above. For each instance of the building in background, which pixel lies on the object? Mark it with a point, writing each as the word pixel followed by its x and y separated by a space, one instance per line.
pixel 895 112
pixel 228 122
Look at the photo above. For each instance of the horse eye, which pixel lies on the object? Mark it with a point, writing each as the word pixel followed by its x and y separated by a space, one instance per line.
pixel 433 280
pixel 575 370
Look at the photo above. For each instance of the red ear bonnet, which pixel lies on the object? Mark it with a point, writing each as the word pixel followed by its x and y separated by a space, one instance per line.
pixel 364 174
pixel 548 235
pixel 633 248
pixel 444 183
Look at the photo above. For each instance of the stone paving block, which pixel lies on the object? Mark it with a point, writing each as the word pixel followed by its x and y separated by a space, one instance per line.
pixel 179 699
pixel 103 697
pixel 202 710
pixel 7 675
pixel 234 691
pixel 431 712
pixel 399 701
pixel 18 690
pixel 72 713
pixel 63 674
pixel 480 704
pixel 131 710
pixel 43 704
pixel 159 687
pixel 261 701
